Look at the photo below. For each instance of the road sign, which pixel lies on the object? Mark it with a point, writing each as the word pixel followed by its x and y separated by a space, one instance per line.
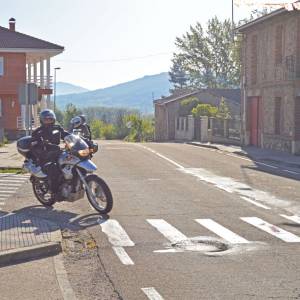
pixel 29 90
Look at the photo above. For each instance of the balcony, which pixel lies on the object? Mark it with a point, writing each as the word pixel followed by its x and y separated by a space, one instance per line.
pixel 45 84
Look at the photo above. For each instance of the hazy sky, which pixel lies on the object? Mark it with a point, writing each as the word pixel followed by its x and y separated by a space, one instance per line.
pixel 111 41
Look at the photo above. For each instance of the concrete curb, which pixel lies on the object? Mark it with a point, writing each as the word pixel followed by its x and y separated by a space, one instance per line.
pixel 203 145
pixel 32 252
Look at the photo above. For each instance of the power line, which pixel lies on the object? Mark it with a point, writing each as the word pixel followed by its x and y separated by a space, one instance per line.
pixel 114 60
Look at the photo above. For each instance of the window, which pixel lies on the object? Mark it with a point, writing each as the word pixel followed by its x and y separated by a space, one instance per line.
pixel 1 66
pixel 187 123
pixel 182 123
pixel 253 61
pixel 277 115
pixel 177 125
pixel 279 45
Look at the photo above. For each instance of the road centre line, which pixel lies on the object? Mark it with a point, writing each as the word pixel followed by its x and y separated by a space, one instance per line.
pixel 295 219
pixel 272 229
pixel 152 294
pixel 222 232
pixel 123 256
pixel 167 230
pixel 227 184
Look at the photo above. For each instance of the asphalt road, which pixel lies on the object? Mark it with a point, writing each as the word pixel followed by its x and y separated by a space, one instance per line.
pixel 161 189
pixel 187 223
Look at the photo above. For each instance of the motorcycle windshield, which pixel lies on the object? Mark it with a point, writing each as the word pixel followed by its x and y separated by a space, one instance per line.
pixel 75 143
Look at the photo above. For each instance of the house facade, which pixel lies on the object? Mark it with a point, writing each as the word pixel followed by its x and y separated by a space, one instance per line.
pixel 271 81
pixel 23 59
pixel 166 109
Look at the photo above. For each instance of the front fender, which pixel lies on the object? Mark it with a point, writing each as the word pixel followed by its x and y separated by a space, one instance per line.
pixel 87 165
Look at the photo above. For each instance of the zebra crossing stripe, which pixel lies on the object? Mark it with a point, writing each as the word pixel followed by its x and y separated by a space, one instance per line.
pixel 295 219
pixel 12 181
pixel 221 231
pixel 272 229
pixel 152 294
pixel 123 256
pixel 117 236
pixel 167 230
pixel 7 192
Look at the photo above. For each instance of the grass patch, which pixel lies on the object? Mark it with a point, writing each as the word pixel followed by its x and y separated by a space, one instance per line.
pixel 12 170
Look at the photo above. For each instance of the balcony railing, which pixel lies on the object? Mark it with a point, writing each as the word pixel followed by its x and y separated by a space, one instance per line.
pixel 42 81
pixel 21 123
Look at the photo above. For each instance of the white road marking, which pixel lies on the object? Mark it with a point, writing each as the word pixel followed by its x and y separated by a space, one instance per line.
pixel 10 187
pixel 255 203
pixel 7 192
pixel 227 184
pixel 10 184
pixel 295 219
pixel 264 164
pixel 13 181
pixel 167 230
pixel 272 229
pixel 152 294
pixel 162 156
pixel 222 232
pixel 123 256
pixel 2 203
pixel 117 236
pixel 292 172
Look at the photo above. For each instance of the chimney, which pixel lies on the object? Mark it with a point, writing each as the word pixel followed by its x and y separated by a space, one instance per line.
pixel 12 24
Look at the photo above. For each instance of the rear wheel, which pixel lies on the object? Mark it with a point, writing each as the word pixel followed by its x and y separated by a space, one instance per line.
pixel 99 194
pixel 42 192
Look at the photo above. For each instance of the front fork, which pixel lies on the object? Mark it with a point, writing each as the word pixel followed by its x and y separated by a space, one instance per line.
pixel 87 188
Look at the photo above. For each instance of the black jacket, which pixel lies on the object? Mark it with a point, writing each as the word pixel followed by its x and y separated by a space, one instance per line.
pixel 49 134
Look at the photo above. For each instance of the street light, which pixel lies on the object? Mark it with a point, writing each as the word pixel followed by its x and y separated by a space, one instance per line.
pixel 54 100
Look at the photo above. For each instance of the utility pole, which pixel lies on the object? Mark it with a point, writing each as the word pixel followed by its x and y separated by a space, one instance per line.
pixel 54 98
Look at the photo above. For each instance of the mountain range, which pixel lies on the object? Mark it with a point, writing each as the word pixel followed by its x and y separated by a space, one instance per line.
pixel 138 94
pixel 63 88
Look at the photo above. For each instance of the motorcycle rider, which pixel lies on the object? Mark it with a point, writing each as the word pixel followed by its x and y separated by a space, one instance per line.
pixel 46 151
pixel 79 123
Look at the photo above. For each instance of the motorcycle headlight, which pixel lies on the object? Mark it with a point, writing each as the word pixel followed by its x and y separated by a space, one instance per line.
pixel 85 152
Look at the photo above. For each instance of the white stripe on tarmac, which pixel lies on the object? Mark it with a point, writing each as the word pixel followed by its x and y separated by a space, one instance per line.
pixel 2 203
pixel 117 236
pixel 152 294
pixel 10 184
pixel 221 231
pixel 255 203
pixel 272 229
pixel 295 219
pixel 7 192
pixel 13 180
pixel 167 230
pixel 10 187
pixel 123 256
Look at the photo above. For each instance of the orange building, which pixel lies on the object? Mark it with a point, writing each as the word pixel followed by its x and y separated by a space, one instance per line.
pixel 23 59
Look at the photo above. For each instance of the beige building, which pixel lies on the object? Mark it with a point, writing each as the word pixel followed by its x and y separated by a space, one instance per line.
pixel 271 81
pixel 167 109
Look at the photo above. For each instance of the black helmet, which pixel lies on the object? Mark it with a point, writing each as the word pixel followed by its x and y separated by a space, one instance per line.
pixel 83 118
pixel 47 117
pixel 76 122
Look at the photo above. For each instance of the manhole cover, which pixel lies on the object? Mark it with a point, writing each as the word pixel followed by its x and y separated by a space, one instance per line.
pixel 201 244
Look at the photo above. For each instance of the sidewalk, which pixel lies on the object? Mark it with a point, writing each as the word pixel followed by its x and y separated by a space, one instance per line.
pixel 9 156
pixel 24 237
pixel 257 154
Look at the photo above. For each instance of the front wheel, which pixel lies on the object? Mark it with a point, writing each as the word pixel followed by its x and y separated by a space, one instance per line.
pixel 99 194
pixel 42 192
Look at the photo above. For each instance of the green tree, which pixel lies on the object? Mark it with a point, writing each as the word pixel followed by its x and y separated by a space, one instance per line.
pixel 204 110
pixel 186 105
pixel 178 75
pixel 208 57
pixel 96 128
pixel 223 110
pixel 70 112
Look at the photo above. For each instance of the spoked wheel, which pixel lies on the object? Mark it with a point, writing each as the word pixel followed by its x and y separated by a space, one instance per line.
pixel 99 194
pixel 42 192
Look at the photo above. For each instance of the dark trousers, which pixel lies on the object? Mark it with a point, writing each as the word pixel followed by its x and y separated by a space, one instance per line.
pixel 47 157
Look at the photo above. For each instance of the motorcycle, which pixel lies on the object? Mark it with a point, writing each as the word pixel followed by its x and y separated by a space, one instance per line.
pixel 77 176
